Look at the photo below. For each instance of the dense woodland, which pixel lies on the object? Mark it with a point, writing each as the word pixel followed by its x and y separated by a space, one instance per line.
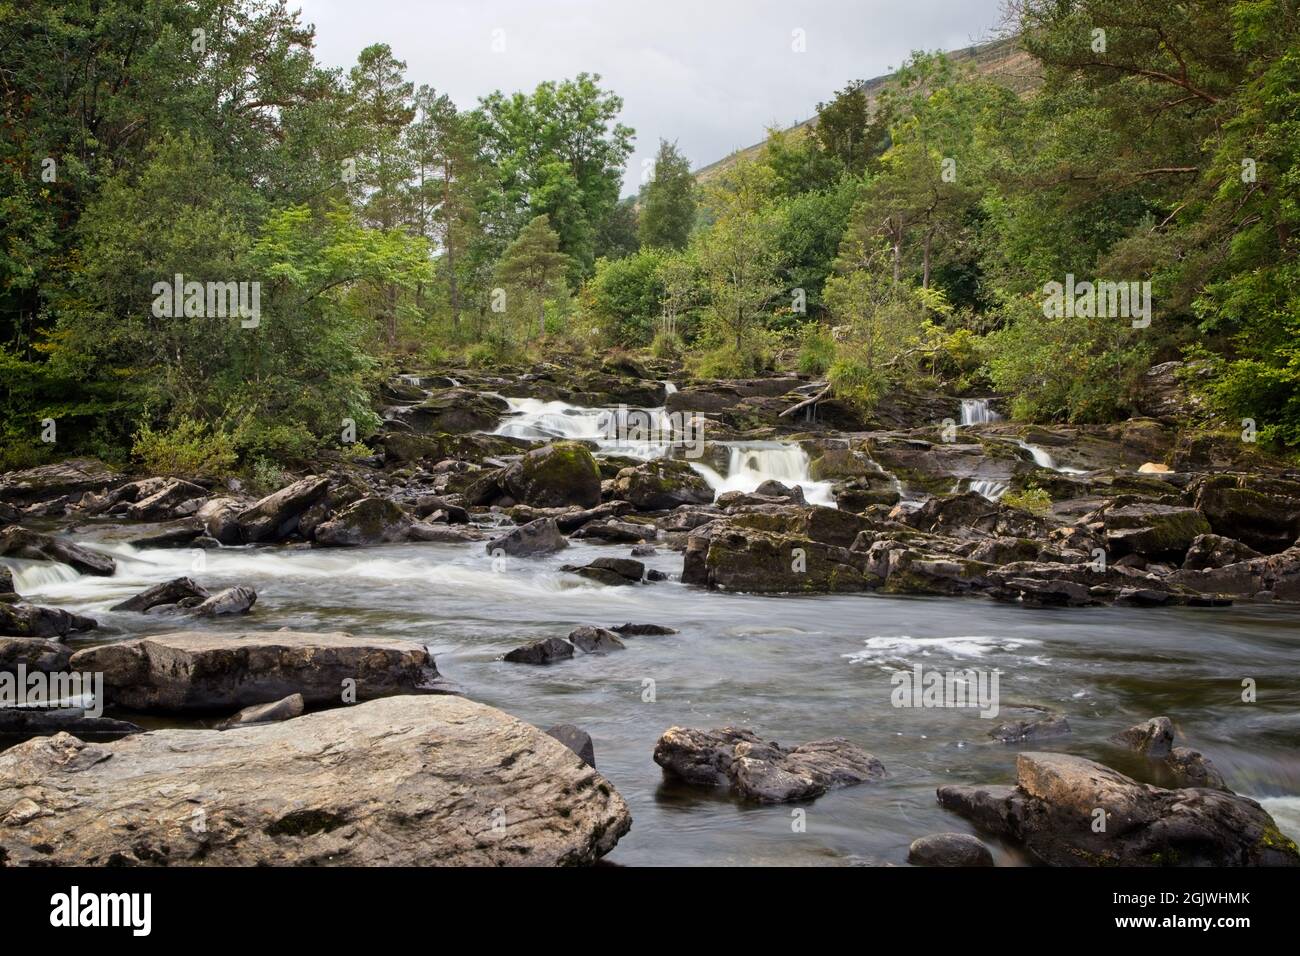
pixel 899 240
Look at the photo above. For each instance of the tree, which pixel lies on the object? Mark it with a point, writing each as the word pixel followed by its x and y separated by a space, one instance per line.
pixel 559 152
pixel 847 131
pixel 668 201
pixel 533 262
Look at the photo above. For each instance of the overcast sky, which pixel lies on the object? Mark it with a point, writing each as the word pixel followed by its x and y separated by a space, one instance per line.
pixel 710 74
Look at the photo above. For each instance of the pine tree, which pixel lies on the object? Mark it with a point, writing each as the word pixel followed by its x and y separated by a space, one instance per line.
pixel 668 201
pixel 534 262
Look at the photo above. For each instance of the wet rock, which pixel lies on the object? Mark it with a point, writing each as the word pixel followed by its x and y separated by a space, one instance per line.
pixel 30 620
pixel 556 476
pixel 275 517
pixel 577 740
pixel 369 521
pixel 454 411
pixel 595 640
pixel 1030 729
pixel 729 558
pixel 443 534
pixel 1153 738
pixel 236 600
pixel 177 533
pixel 408 781
pixel 537 537
pixel 72 477
pixel 541 652
pixel 616 531
pixel 1261 512
pixel 208 671
pixel 1216 551
pixel 949 849
pixel 661 485
pixel 1051 809
pixel 1153 530
pixel 761 771
pixel 286 709
pixel 1271 577
pixel 615 571
pixel 1191 768
pixel 1076 585
pixel 180 591
pixel 644 551
pixel 25 723
pixel 639 630
pixel 428 506
pixel 7 593
pixel 33 654
pixel 16 542
pixel 166 501
pixel 220 519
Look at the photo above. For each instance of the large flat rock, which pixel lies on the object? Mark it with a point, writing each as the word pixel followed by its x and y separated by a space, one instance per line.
pixel 210 671
pixel 405 781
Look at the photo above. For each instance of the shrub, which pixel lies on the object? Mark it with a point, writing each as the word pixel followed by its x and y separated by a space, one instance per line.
pixel 816 349
pixel 1031 498
pixel 190 449
pixel 667 345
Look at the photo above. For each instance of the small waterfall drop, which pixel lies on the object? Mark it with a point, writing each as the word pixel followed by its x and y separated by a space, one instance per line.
pixel 976 411
pixel 752 463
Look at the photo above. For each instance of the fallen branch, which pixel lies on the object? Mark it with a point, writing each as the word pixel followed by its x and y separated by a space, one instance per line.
pixel 806 402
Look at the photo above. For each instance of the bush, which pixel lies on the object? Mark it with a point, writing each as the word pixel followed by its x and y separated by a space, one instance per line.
pixel 1031 498
pixel 282 441
pixel 816 349
pixel 667 345
pixel 190 449
pixel 266 477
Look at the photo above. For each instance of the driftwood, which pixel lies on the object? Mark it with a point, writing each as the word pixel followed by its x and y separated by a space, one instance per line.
pixel 806 402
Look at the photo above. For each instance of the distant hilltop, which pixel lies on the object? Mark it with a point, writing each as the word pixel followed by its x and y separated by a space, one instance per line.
pixel 1001 59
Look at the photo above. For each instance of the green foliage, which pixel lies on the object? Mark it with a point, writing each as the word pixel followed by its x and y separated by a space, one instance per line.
pixel 1031 498
pixel 624 297
pixel 816 349
pixel 189 449
pixel 668 201
pixel 667 345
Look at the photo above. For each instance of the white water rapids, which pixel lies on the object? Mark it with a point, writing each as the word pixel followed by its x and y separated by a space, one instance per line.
pixel 648 433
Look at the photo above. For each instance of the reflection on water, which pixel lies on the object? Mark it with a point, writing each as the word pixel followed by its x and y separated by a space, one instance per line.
pixel 792 668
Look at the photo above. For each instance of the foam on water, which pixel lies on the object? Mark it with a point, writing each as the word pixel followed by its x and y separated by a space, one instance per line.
pixel 751 464
pixel 902 648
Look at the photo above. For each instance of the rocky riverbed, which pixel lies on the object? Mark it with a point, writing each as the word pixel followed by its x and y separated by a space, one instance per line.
pixel 716 575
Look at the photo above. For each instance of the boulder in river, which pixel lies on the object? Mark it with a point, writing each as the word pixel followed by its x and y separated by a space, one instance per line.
pixel 30 620
pixel 34 654
pixel 368 521
pixel 1216 551
pixel 1154 739
pixel 209 671
pixel 276 516
pixel 726 557
pixel 454 411
pixel 537 537
pixel 547 651
pixel 28 722
pixel 74 476
pixel 661 485
pixel 762 771
pixel 17 542
pixel 1152 530
pixel 236 600
pixel 595 640
pixel 949 849
pixel 613 571
pixel 180 591
pixel 556 476
pixel 1259 511
pixel 1059 798
pixel 639 630
pixel 407 781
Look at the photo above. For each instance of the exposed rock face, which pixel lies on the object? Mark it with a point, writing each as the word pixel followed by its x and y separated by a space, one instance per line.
pixel 1261 512
pixel 16 542
pixel 760 771
pixel 1051 811
pixel 949 849
pixel 595 640
pixel 407 781
pixel 29 620
pixel 204 671
pixel 661 485
pixel 1154 739
pixel 276 516
pixel 7 592
pixel 537 537
pixel 557 476
pixel 220 519
pixel 541 652
pixel 167 500
pixel 180 591
pixel 72 477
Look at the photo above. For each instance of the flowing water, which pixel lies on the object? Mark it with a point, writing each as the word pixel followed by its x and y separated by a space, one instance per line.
pixel 793 669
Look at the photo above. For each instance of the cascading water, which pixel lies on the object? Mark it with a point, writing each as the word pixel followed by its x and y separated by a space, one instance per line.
pixel 752 463
pixel 976 411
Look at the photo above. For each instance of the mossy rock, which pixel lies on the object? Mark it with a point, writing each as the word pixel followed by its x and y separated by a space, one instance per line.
pixel 556 476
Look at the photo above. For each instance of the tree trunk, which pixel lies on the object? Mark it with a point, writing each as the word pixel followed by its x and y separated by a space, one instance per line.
pixel 925 275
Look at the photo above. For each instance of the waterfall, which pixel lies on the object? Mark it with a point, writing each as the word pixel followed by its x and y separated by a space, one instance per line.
pixel 752 463
pixel 990 488
pixel 976 411
pixel 643 433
